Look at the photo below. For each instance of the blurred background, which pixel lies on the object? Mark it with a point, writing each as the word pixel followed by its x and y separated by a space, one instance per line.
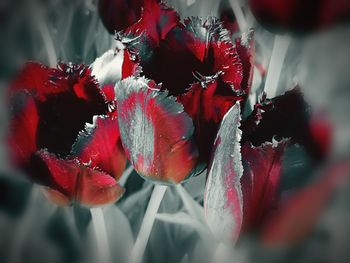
pixel 33 230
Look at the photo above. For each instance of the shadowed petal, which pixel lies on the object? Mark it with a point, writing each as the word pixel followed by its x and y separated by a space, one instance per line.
pixel 298 213
pixel 118 15
pixel 260 180
pixel 23 128
pixel 155 132
pixel 223 201
pixel 285 116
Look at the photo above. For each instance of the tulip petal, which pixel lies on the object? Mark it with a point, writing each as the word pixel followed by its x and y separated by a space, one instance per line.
pixel 298 214
pixel 155 132
pixel 23 128
pixel 156 21
pixel 223 201
pixel 69 180
pixel 99 146
pixel 118 15
pixel 97 188
pixel 35 78
pixel 207 107
pixel 260 180
pixel 107 69
pixel 211 96
pixel 286 116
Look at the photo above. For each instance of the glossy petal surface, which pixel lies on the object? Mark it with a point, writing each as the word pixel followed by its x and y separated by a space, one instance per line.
pixel 223 201
pixel 156 133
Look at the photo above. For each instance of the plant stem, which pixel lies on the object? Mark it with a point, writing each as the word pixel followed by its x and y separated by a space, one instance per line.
pixel 103 249
pixel 45 34
pixel 124 178
pixel 23 226
pixel 147 223
pixel 223 253
pixel 70 219
pixel 279 52
pixel 237 10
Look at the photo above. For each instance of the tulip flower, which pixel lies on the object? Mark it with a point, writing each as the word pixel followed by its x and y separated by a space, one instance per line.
pixel 151 17
pixel 299 16
pixel 64 136
pixel 244 175
pixel 191 78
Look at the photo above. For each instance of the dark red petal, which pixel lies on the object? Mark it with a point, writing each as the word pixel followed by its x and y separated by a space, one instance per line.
pixel 207 107
pixel 24 122
pixel 58 174
pixel 260 180
pixel 118 15
pixel 68 180
pixel 156 21
pixel 286 116
pixel 334 11
pixel 298 214
pixel 35 78
pixel 63 115
pixel 223 196
pixel 100 146
pixel 299 16
pixel 295 15
pixel 156 133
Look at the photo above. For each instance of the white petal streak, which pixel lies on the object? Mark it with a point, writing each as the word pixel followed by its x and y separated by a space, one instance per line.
pixel 223 195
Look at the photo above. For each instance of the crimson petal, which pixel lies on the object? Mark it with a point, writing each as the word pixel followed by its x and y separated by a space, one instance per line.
pixel 35 78
pixel 100 146
pixel 156 21
pixel 23 128
pixel 261 180
pixel 69 180
pixel 223 201
pixel 64 114
pixel 155 132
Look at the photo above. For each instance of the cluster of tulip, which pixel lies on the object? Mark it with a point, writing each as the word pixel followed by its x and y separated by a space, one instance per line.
pixel 169 99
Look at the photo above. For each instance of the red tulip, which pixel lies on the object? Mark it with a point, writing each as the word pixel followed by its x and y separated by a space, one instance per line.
pixel 300 211
pixel 197 66
pixel 223 199
pixel 260 181
pixel 63 135
pixel 150 17
pixel 299 16
pixel 287 116
pixel 243 199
